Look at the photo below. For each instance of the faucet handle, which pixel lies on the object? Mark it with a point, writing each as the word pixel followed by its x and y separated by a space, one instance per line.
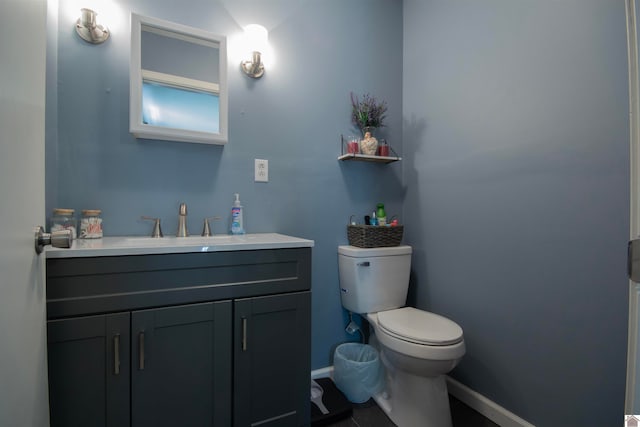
pixel 183 209
pixel 157 231
pixel 206 230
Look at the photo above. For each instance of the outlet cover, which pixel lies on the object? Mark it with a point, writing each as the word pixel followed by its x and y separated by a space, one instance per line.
pixel 261 170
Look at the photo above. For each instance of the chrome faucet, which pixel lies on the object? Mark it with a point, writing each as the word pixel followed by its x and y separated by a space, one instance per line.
pixel 182 221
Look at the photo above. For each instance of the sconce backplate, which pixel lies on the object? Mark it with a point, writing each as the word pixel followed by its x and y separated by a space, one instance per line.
pixel 252 69
pixel 97 35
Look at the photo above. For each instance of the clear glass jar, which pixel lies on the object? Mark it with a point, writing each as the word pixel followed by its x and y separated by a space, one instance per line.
pixel 91 224
pixel 64 219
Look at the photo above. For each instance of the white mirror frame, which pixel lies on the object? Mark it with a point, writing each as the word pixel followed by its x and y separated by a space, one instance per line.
pixel 146 131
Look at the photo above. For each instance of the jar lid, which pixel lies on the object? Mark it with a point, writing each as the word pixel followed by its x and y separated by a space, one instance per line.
pixel 63 211
pixel 91 212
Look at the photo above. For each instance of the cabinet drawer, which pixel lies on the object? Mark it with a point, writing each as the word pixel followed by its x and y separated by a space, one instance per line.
pixel 79 286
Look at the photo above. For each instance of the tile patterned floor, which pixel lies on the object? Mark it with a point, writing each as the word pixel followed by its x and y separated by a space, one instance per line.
pixel 370 415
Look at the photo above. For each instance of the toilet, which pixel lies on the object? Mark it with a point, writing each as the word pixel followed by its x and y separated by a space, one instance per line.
pixel 417 347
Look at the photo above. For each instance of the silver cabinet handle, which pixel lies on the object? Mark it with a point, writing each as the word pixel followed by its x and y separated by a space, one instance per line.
pixel 116 354
pixel 141 347
pixel 244 334
pixel 633 260
pixel 364 264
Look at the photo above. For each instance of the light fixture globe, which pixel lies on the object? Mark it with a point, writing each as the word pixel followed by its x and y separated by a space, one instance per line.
pixel 255 41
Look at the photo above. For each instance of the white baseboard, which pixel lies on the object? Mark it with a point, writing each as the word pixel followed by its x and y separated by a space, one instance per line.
pixel 486 407
pixel 473 399
pixel 322 373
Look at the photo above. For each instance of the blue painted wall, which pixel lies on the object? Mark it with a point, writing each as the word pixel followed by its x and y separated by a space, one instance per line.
pixel 516 143
pixel 293 117
pixel 514 184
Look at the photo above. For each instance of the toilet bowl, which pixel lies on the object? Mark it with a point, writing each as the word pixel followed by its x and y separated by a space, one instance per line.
pixel 416 393
pixel 426 344
pixel 417 347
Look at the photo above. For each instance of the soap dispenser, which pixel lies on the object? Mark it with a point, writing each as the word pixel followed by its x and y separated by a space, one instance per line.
pixel 237 226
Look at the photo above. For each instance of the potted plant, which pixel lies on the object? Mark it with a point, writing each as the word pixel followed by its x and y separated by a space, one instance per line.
pixel 368 114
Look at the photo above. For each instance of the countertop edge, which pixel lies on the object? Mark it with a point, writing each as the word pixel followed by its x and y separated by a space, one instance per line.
pixel 122 245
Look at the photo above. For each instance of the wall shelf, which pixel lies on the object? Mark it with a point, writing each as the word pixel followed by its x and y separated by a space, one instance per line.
pixel 346 156
pixel 368 158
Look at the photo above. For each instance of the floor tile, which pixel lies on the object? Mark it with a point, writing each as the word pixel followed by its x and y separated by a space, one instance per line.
pixel 369 414
pixel 464 416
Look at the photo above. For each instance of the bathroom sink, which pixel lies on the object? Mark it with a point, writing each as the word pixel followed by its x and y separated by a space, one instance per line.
pixel 177 241
pixel 200 243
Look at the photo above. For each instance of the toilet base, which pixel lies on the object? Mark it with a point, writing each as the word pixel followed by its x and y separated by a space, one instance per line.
pixel 415 401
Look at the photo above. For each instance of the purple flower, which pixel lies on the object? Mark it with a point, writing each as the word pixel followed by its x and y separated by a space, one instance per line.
pixel 367 112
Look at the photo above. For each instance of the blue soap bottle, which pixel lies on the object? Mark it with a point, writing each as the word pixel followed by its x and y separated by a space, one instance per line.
pixel 237 226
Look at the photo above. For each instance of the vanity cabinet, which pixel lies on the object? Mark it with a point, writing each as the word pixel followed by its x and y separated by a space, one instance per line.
pixel 271 360
pixel 175 357
pixel 192 339
pixel 86 386
pixel 180 366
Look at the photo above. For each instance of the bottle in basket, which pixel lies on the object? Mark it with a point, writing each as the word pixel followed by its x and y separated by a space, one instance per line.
pixel 381 215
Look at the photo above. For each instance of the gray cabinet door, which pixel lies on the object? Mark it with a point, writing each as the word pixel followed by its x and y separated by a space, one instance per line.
pixel 272 360
pixel 89 371
pixel 181 366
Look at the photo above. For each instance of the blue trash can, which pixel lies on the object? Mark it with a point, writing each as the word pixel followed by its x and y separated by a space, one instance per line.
pixel 357 372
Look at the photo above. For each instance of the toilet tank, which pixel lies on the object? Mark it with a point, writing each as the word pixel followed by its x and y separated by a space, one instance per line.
pixel 373 279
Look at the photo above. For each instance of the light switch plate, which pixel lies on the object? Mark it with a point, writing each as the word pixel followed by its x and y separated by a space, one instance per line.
pixel 262 170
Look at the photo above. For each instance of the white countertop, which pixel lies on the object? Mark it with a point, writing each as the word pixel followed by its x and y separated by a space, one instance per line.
pixel 139 245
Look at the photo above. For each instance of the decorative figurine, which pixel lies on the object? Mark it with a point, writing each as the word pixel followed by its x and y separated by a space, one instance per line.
pixel 369 144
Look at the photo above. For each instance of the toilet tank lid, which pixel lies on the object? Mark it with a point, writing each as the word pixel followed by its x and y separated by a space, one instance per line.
pixel 356 252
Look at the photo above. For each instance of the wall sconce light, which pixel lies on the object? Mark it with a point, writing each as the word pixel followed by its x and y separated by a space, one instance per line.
pixel 89 30
pixel 255 41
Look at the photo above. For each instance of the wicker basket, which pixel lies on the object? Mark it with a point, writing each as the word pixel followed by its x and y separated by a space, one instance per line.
pixel 372 236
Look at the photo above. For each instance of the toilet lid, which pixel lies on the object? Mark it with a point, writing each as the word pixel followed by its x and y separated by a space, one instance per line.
pixel 419 326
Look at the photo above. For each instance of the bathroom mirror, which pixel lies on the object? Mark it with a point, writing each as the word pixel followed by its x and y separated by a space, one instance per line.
pixel 178 82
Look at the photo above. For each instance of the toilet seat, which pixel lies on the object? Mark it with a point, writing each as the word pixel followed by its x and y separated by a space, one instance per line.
pixel 419 327
pixel 404 346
